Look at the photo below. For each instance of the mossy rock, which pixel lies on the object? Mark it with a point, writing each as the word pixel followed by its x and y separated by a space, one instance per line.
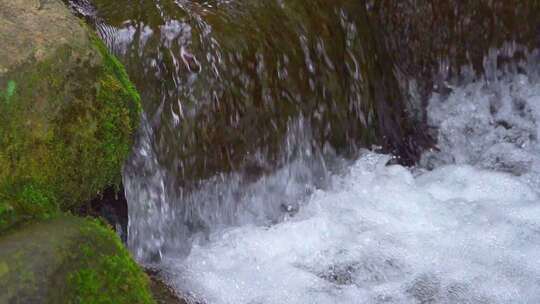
pixel 67 112
pixel 69 260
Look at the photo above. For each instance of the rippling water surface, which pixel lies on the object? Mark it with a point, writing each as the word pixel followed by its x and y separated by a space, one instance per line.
pixel 336 151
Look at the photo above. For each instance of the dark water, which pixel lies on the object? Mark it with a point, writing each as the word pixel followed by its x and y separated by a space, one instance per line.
pixel 254 107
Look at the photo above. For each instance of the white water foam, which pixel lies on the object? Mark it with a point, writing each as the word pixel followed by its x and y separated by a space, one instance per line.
pixel 493 123
pixel 468 231
pixel 453 235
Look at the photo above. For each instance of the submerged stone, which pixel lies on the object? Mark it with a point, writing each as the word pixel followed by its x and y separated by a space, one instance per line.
pixel 67 112
pixel 223 83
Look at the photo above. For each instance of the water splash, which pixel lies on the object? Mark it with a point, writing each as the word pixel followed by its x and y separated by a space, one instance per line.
pixel 165 218
pixel 465 232
pixel 492 121
pixel 381 235
pixel 229 85
pixel 234 104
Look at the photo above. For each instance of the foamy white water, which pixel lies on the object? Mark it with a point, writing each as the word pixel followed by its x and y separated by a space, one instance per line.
pixel 492 123
pixel 453 235
pixel 468 231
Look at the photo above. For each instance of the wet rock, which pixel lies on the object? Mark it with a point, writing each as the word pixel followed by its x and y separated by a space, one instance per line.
pixel 110 206
pixel 162 292
pixel 67 112
pixel 433 41
pixel 223 83
pixel 68 260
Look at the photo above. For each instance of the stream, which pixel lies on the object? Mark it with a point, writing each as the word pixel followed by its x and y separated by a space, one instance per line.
pixel 333 151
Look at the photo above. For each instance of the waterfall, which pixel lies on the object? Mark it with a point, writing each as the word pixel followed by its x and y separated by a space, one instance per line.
pixel 333 151
pixel 462 227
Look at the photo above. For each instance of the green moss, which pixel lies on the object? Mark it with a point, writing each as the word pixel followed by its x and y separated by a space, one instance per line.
pixel 25 200
pixel 66 126
pixel 69 260
pixel 113 66
pixel 105 272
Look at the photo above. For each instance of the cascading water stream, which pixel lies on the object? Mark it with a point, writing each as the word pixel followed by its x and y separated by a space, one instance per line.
pixel 222 201
pixel 249 184
pixel 231 99
pixel 466 231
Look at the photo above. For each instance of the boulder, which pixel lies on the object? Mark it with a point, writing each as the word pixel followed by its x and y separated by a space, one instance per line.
pixel 433 40
pixel 68 260
pixel 67 112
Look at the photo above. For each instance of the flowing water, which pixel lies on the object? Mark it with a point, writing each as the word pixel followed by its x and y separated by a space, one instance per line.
pixel 467 231
pixel 270 166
